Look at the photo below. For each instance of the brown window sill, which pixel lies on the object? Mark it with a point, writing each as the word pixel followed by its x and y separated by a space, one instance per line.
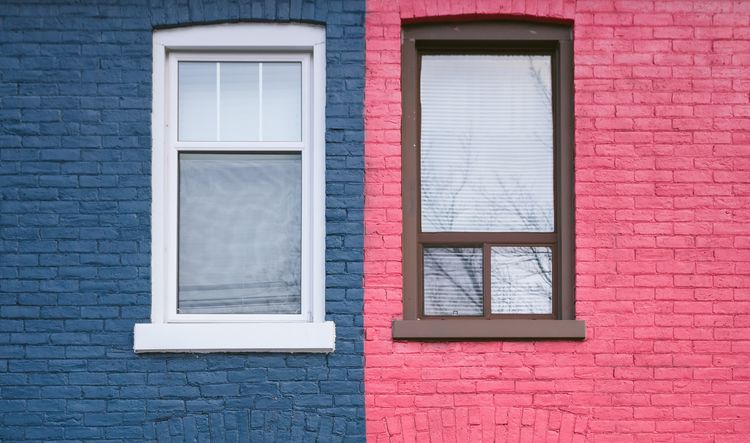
pixel 462 329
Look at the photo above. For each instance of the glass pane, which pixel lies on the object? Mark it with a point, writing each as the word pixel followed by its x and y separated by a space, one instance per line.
pixel 228 110
pixel 197 101
pixel 282 101
pixel 239 102
pixel 240 234
pixel 453 281
pixel 521 280
pixel 486 143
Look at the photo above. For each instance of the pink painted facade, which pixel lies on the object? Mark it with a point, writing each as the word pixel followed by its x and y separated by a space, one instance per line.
pixel 662 236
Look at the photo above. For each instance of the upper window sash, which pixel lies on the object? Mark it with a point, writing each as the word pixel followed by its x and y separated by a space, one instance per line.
pixel 304 59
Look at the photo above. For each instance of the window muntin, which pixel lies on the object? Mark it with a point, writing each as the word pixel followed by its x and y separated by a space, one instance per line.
pixel 280 126
pixel 541 228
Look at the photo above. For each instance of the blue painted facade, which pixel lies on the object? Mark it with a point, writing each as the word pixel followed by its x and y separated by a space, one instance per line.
pixel 75 103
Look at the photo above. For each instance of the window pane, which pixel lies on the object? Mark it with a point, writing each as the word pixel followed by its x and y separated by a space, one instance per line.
pixel 229 110
pixel 486 143
pixel 282 101
pixel 197 101
pixel 240 234
pixel 521 280
pixel 239 102
pixel 453 281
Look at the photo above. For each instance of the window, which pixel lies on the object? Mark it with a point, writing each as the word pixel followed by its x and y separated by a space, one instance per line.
pixel 238 181
pixel 488 182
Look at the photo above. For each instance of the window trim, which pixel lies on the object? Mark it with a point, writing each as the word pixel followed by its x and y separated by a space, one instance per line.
pixel 489 37
pixel 169 332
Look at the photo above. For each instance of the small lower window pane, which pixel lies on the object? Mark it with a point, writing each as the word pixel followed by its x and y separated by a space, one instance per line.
pixel 453 281
pixel 521 280
pixel 240 234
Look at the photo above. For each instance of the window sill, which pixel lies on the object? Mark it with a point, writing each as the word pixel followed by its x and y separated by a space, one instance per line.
pixel 234 337
pixel 462 329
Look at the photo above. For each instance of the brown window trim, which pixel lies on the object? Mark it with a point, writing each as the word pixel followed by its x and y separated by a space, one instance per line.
pixel 486 37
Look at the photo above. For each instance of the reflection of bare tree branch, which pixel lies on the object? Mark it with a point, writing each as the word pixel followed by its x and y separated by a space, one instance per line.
pixel 444 220
pixel 545 272
pixel 536 74
pixel 476 283
pixel 519 289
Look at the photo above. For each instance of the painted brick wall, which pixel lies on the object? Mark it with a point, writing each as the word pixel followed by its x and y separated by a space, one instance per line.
pixel 75 99
pixel 663 240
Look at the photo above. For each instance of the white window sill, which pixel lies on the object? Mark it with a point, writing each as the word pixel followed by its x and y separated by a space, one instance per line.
pixel 235 337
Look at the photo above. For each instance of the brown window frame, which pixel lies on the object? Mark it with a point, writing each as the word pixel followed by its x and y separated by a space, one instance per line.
pixel 490 38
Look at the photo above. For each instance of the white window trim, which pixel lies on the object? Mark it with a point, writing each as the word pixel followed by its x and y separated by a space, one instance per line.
pixel 168 331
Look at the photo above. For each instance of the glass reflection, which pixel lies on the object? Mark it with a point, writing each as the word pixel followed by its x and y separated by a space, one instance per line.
pixel 486 143
pixel 240 234
pixel 453 281
pixel 251 101
pixel 521 280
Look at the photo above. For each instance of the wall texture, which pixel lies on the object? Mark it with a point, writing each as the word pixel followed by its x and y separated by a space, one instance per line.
pixel 75 99
pixel 663 240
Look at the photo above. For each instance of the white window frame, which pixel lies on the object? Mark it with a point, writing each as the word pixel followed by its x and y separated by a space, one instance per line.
pixel 174 147
pixel 251 42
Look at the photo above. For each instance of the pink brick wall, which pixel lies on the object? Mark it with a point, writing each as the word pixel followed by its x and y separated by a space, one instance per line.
pixel 663 241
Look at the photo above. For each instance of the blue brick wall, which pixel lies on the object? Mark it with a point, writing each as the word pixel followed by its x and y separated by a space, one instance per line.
pixel 75 98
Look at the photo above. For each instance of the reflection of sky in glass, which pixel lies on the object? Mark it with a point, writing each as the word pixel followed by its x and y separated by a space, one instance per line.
pixel 521 280
pixel 486 143
pixel 252 101
pixel 240 234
